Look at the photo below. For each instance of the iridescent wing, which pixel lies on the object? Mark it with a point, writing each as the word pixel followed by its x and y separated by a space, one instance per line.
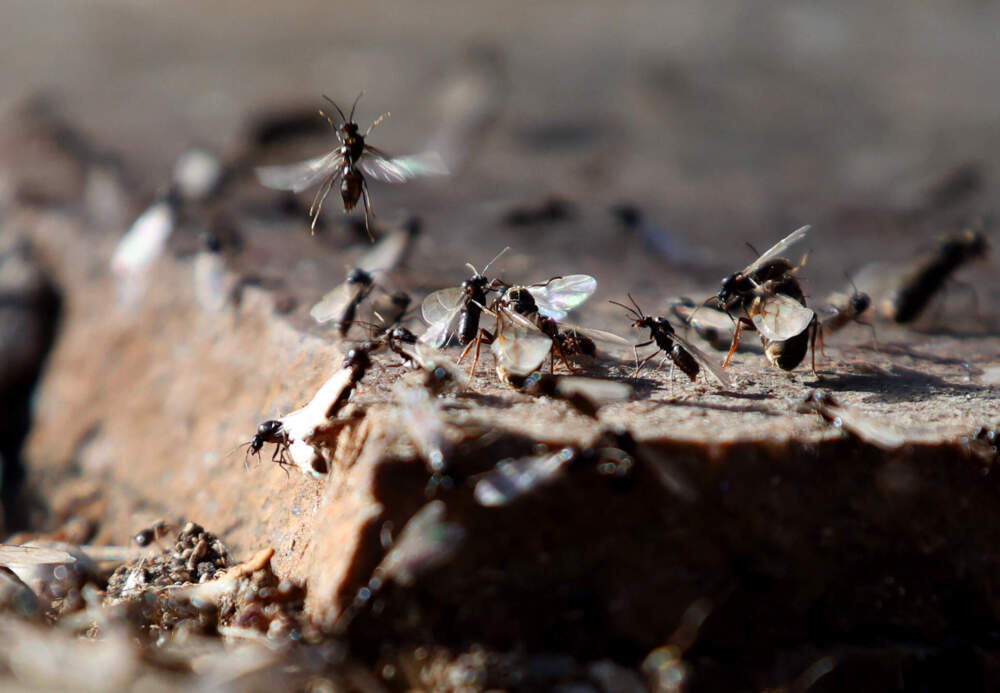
pixel 780 317
pixel 440 311
pixel 559 296
pixel 301 175
pixel 777 249
pixel 520 348
pixel 400 169
pixel 702 358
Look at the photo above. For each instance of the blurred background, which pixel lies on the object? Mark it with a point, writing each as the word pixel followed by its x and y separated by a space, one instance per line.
pixel 723 122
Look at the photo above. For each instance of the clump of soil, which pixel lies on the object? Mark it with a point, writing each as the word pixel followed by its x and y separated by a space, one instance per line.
pixel 196 557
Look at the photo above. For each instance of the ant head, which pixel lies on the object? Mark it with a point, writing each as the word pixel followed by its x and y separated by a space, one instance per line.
pixel 358 276
pixel 350 129
pixel 860 302
pixel 358 357
pixel 730 286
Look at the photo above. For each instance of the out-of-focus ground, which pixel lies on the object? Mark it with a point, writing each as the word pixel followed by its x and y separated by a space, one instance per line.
pixel 724 123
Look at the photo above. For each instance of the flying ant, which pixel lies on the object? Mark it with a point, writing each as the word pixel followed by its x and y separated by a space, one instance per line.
pixel 926 275
pixel 349 163
pixel 271 431
pixel 681 353
pixel 771 301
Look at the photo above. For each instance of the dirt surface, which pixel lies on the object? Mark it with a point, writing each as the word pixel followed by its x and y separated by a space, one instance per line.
pixel 735 539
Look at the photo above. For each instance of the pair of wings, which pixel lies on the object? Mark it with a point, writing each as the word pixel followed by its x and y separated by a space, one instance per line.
pixel 554 299
pixel 378 261
pixel 373 162
pixel 780 317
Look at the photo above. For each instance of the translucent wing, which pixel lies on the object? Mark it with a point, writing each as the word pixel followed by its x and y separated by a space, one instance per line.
pixel 511 479
pixel 712 325
pixel 561 295
pixel 445 372
pixel 441 310
pixel 299 176
pixel 12 554
pixel 400 169
pixel 520 347
pixel 781 317
pixel 332 305
pixel 422 420
pixel 598 390
pixel 143 243
pixel 777 249
pixel 597 335
pixel 386 255
pixel 702 358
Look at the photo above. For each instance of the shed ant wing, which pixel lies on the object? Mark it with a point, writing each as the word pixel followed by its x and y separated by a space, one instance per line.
pixel 514 478
pixel 17 555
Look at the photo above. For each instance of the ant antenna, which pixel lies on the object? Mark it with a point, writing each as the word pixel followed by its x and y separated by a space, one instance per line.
pixel 495 258
pixel 334 104
pixel 487 266
pixel 752 249
pixel 355 104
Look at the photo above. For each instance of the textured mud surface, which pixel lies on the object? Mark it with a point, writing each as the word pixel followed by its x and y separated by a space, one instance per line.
pixel 736 538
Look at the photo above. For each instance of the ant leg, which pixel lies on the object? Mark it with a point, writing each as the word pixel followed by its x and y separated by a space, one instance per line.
pixel 872 328
pixel 369 212
pixel 672 364
pixel 320 198
pixel 814 329
pixel 644 361
pixel 483 336
pixel 736 341
pixel 822 341
pixel 375 123
pixel 635 350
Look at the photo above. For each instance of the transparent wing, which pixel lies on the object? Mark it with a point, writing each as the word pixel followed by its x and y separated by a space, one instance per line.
pixel 602 336
pixel 434 361
pixel 511 479
pixel 422 419
pixel 700 317
pixel 598 390
pixel 781 317
pixel 299 176
pixel 702 358
pixel 400 169
pixel 520 347
pixel 332 305
pixel 777 249
pixel 386 255
pixel 558 297
pixel 442 304
pixel 12 554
